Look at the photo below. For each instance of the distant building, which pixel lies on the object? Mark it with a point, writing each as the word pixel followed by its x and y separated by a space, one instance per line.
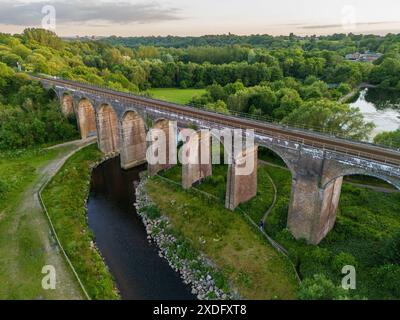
pixel 363 57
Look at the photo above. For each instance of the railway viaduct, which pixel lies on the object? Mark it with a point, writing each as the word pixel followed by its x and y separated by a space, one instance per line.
pixel 317 162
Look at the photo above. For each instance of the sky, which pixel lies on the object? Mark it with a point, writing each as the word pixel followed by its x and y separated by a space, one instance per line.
pixel 200 17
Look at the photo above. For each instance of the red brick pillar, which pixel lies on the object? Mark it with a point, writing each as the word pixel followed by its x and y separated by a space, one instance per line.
pixel 201 166
pixel 312 211
pixel 169 129
pixel 241 188
pixel 133 141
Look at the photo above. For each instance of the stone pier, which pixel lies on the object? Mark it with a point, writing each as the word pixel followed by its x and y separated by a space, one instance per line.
pixel 133 140
pixel 313 207
pixel 170 158
pixel 108 132
pixel 201 165
pixel 241 188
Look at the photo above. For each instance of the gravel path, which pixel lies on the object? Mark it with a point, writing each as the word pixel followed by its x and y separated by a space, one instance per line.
pixel 67 287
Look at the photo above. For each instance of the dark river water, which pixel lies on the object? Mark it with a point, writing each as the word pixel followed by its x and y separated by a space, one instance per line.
pixel 121 237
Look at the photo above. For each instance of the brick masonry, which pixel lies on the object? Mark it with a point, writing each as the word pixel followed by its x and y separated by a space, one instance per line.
pixel 316 174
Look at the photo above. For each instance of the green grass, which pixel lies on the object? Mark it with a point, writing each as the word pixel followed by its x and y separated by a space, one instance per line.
pixel 180 96
pixel 216 186
pixel 64 198
pixel 366 220
pixel 243 256
pixel 21 248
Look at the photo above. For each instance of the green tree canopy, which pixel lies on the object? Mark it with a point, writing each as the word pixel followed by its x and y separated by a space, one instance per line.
pixel 331 117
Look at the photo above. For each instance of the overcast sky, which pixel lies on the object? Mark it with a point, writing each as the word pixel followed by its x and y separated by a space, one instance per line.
pixel 199 17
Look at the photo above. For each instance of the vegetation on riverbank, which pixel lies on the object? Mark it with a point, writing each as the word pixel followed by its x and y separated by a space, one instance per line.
pixel 65 199
pixel 21 245
pixel 367 225
pixel 254 268
pixel 195 269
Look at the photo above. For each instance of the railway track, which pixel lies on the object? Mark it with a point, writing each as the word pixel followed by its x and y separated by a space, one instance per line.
pixel 308 138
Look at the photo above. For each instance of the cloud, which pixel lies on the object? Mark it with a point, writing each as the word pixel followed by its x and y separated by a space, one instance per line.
pixel 86 12
pixel 329 26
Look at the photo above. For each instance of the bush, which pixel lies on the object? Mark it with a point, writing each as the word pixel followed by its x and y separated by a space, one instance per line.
pixel 320 288
pixel 314 261
pixel 152 212
pixel 387 278
pixel 344 259
pixel 391 251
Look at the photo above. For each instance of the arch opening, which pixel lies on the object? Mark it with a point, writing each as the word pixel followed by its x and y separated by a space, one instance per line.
pixel 133 140
pixel 275 177
pixel 86 119
pixel 349 183
pixel 109 140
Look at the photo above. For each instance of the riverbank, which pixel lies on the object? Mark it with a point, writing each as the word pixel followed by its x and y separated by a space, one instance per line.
pixel 250 265
pixel 367 221
pixel 195 269
pixel 25 242
pixel 65 198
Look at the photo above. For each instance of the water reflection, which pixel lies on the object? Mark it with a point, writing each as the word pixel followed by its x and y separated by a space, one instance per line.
pixel 120 235
pixel 380 107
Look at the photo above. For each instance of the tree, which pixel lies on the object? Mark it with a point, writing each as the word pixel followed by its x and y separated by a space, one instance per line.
pixel 331 117
pixel 219 106
pixel 390 139
pixel 289 100
pixel 217 92
pixel 263 98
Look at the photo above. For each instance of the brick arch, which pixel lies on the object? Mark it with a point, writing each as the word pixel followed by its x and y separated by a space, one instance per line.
pixel 108 129
pixel 395 182
pixel 283 155
pixel 133 140
pixel 86 117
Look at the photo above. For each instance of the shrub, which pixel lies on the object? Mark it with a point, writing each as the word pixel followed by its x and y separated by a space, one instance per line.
pixel 387 278
pixel 344 259
pixel 314 261
pixel 391 251
pixel 320 288
pixel 152 212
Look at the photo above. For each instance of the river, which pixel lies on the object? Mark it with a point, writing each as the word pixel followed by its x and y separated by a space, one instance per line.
pixel 381 107
pixel 121 237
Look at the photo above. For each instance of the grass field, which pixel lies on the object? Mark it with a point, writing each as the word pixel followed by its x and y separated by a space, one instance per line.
pixel 367 221
pixel 65 199
pixel 180 96
pixel 243 256
pixel 22 229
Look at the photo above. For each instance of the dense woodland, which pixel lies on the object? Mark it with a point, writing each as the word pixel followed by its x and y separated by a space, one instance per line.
pixel 293 80
pixel 299 81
